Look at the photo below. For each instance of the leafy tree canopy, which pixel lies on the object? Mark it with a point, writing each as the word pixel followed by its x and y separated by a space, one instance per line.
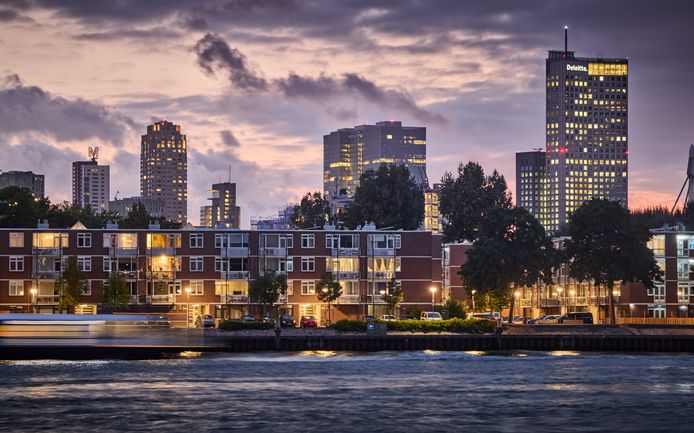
pixel 608 245
pixel 267 287
pixel 389 197
pixel 465 200
pixel 312 212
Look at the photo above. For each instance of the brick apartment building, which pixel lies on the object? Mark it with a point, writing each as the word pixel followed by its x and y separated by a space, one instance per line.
pixel 218 265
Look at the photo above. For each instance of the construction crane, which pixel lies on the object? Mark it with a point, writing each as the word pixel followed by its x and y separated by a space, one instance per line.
pixel 687 181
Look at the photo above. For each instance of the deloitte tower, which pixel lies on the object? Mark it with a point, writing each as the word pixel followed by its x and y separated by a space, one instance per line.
pixel 587 145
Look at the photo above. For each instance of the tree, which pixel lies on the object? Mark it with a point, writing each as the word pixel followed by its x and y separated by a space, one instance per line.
pixel 512 250
pixel 607 245
pixel 70 286
pixel 312 212
pixel 268 287
pixel 138 217
pixel 455 308
pixel 389 197
pixel 116 291
pixel 466 199
pixel 393 295
pixel 328 290
pixel 19 207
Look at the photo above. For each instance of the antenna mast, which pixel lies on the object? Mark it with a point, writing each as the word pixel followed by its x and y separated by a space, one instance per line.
pixel 566 39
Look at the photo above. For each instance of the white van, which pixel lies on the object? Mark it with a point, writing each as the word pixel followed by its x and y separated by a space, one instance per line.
pixel 430 315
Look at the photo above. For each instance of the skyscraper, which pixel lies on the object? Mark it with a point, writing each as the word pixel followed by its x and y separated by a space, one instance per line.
pixel 530 178
pixel 23 179
pixel 349 152
pixel 164 168
pixel 223 210
pixel 586 132
pixel 90 184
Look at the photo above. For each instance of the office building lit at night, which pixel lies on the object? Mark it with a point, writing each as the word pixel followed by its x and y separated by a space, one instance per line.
pixel 586 133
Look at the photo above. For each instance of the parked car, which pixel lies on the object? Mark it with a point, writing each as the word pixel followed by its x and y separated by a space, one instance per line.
pixel 484 316
pixel 308 322
pixel 537 319
pixel 388 318
pixel 267 319
pixel 156 321
pixel 518 320
pixel 248 318
pixel 369 318
pixel 584 316
pixel 287 321
pixel 430 315
pixel 549 319
pixel 204 321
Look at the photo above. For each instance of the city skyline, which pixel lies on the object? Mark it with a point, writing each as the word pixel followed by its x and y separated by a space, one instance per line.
pixel 260 100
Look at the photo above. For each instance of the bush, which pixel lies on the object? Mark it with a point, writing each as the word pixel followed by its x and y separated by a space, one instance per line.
pixel 463 326
pixel 349 326
pixel 236 325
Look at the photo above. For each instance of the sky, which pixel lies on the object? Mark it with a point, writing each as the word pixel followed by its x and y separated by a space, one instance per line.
pixel 255 84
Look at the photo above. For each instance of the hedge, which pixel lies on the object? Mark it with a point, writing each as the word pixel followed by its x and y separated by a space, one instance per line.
pixel 463 326
pixel 235 325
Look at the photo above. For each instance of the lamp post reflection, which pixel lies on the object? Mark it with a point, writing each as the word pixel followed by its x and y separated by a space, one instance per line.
pixel 33 299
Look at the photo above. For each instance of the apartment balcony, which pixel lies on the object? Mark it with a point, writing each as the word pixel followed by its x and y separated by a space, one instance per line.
pixel 160 299
pixel 273 251
pixel 346 275
pixel 233 299
pixel 233 275
pixel 380 252
pixel 134 299
pixel 47 299
pixel 349 299
pixel 160 275
pixel 549 303
pixel 345 252
pixel 128 275
pixel 161 251
pixel 234 251
pixel 377 299
pixel 47 251
pixel 48 275
pixel 385 275
pixel 526 303
pixel 121 252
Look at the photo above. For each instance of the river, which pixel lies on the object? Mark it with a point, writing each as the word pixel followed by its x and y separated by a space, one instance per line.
pixel 335 392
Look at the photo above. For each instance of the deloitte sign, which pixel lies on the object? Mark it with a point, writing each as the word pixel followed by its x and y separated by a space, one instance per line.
pixel 578 68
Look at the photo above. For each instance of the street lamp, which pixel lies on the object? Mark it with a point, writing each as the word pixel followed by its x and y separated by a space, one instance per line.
pixel 473 301
pixel 187 289
pixel 433 291
pixel 33 299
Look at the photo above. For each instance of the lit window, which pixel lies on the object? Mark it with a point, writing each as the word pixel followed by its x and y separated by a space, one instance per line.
pixel 308 287
pixel 16 288
pixel 16 240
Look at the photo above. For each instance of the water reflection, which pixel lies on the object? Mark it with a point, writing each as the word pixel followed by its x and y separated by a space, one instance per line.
pixel 338 391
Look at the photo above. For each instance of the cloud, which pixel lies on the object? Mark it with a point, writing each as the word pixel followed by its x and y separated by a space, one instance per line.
pixel 214 54
pixel 27 110
pixel 228 139
pixel 296 86
pixel 9 15
pixel 154 33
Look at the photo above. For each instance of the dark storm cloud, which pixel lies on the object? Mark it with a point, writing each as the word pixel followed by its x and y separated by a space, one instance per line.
pixel 30 109
pixel 299 86
pixel 214 54
pixel 229 139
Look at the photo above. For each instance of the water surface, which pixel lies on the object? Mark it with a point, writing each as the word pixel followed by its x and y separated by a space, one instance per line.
pixel 334 392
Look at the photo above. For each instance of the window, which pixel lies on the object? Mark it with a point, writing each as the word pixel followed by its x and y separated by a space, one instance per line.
pixel 16 288
pixel 221 241
pixel 308 241
pixel 84 240
pixel 196 240
pixel 683 269
pixel 221 264
pixel 287 241
pixel 290 287
pixel 16 240
pixel 308 287
pixel 86 288
pixel 196 264
pixel 683 292
pixel 107 264
pixel 16 264
pixel 84 264
pixel 287 265
pixel 197 287
pixel 308 264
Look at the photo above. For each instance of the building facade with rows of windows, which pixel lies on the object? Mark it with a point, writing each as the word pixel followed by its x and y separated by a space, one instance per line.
pixel 218 265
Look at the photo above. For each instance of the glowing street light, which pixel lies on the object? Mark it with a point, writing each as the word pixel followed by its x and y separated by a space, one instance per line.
pixel 433 292
pixel 33 298
pixel 473 300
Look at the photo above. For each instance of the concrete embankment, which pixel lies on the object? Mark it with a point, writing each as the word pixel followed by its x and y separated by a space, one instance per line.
pixel 534 338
